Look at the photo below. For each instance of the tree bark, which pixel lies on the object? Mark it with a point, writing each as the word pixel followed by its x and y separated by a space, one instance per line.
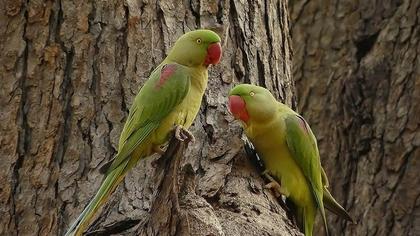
pixel 69 73
pixel 357 73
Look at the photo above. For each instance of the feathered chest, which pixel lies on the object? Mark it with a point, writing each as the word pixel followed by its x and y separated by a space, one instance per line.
pixel 267 133
pixel 185 112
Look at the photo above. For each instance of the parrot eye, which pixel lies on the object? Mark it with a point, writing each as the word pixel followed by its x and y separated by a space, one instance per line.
pixel 198 41
pixel 251 93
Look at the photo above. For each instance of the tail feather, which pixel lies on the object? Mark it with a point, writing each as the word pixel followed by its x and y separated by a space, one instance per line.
pixel 300 219
pixel 332 205
pixel 320 204
pixel 306 219
pixel 107 187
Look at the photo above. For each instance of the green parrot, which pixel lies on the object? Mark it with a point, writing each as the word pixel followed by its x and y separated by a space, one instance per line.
pixel 288 149
pixel 170 99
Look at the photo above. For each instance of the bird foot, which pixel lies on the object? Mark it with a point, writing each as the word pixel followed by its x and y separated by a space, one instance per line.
pixel 275 187
pixel 273 184
pixel 183 134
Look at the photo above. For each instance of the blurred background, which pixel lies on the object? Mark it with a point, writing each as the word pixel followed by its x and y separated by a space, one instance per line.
pixel 357 74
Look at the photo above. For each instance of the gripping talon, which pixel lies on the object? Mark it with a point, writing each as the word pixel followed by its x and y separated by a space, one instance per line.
pixel 267 174
pixel 183 134
pixel 178 133
pixel 275 187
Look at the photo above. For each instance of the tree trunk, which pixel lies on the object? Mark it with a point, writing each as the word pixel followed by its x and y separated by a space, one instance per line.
pixel 69 73
pixel 357 73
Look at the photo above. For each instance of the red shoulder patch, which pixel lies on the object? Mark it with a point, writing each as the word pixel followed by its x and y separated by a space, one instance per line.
pixel 165 73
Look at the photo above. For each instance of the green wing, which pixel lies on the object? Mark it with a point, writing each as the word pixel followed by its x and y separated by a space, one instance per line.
pixel 302 145
pixel 166 88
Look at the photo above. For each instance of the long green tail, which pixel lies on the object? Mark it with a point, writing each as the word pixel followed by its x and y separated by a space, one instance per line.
pixel 305 217
pixel 332 205
pixel 108 186
pixel 320 204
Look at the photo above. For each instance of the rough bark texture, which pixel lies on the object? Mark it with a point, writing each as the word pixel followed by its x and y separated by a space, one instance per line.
pixel 69 72
pixel 357 73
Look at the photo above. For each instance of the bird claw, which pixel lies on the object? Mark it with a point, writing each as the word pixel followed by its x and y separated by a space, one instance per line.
pixel 266 173
pixel 273 184
pixel 275 187
pixel 183 134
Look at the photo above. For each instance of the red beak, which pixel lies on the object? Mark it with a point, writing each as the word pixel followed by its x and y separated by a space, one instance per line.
pixel 238 108
pixel 214 53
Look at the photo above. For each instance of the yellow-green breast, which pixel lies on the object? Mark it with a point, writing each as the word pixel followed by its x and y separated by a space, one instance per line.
pixel 270 141
pixel 184 113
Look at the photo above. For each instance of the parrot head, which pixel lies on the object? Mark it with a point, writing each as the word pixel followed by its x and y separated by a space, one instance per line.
pixel 195 48
pixel 251 103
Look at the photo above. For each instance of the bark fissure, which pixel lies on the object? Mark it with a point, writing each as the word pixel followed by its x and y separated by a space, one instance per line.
pixel 195 6
pixel 364 45
pixel 66 91
pixel 23 136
